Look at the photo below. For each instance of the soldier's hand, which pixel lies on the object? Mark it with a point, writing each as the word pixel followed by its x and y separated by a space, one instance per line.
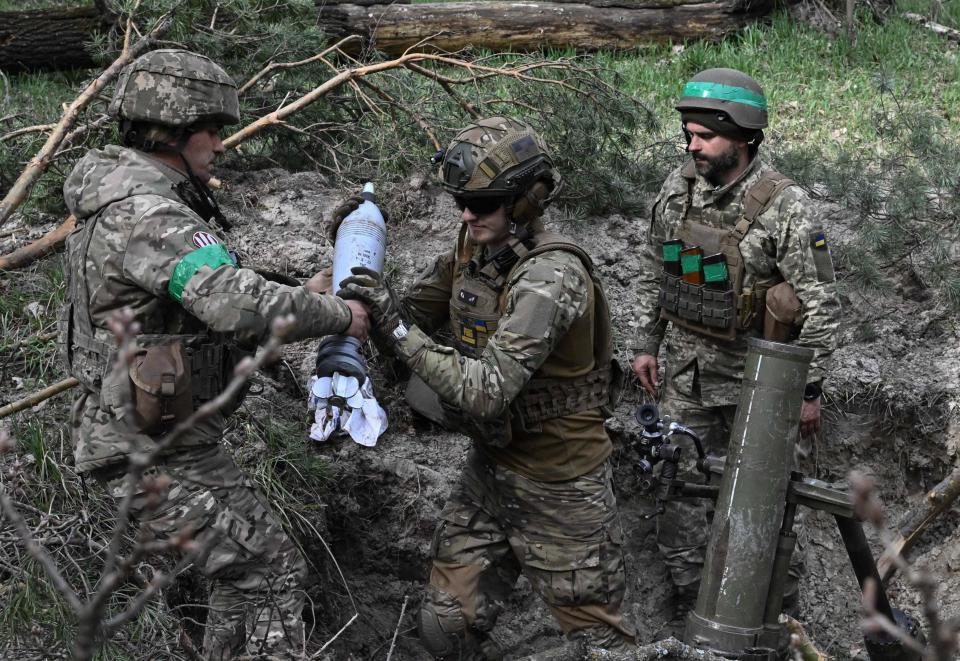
pixel 344 209
pixel 370 287
pixel 321 282
pixel 810 417
pixel 645 367
pixel 360 322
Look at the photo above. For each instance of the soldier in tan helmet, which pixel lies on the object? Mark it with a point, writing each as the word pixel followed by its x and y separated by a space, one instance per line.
pixel 150 238
pixel 528 377
pixel 734 250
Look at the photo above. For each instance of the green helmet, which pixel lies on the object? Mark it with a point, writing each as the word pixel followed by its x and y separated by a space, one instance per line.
pixel 175 88
pixel 730 91
pixel 497 156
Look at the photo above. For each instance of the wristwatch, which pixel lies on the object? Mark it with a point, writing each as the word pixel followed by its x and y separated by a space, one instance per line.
pixel 812 391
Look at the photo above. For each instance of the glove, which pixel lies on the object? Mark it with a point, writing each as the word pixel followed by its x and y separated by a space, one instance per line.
pixel 369 287
pixel 344 209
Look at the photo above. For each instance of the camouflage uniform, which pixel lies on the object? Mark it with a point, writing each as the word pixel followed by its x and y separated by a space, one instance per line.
pixel 528 378
pixel 543 504
pixel 139 244
pixel 703 375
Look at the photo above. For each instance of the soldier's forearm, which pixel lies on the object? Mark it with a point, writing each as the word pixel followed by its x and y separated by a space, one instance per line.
pixel 476 386
pixel 240 301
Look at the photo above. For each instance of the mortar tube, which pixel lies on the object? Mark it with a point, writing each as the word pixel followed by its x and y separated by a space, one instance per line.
pixel 731 603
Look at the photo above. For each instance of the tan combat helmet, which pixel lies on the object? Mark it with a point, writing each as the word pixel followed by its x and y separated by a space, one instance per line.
pixel 727 90
pixel 175 88
pixel 501 157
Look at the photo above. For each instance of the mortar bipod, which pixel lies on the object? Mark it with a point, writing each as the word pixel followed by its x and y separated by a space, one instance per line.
pixel 801 490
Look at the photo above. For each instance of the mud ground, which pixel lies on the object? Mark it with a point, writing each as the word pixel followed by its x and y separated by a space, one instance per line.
pixel 890 412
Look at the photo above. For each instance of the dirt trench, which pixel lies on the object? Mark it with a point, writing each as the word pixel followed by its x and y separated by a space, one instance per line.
pixel 890 412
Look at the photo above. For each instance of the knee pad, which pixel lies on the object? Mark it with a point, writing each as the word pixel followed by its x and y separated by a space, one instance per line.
pixel 441 625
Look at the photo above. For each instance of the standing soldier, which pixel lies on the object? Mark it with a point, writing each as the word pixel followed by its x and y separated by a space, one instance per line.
pixel 735 250
pixel 529 378
pixel 146 240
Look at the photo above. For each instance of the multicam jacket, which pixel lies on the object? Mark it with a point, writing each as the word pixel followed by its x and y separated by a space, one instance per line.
pixel 788 238
pixel 545 329
pixel 139 245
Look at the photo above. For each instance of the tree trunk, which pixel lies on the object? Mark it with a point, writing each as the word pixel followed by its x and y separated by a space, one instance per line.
pixel 518 26
pixel 48 38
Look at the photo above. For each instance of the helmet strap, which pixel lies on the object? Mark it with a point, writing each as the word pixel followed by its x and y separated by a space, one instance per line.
pixel 530 205
pixel 199 197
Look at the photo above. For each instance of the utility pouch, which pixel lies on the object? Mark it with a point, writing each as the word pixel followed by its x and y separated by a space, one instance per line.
pixel 669 292
pixel 781 311
pixel 162 389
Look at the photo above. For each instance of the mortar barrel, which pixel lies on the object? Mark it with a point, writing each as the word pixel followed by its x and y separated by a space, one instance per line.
pixel 736 577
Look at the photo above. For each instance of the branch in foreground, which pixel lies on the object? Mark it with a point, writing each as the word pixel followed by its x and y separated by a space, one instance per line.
pixel 92 624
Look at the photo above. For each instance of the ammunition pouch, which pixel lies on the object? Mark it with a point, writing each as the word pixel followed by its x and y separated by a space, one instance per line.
pixel 540 400
pixel 699 308
pixel 722 313
pixel 546 399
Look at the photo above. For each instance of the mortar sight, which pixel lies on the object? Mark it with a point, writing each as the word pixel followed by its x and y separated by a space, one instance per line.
pixel 649 417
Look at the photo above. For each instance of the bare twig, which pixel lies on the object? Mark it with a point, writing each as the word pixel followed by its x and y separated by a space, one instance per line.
pixel 943 636
pixel 26 130
pixel 403 108
pixel 278 66
pixel 38 164
pixel 348 75
pixel 917 520
pixel 403 611
pixel 37 397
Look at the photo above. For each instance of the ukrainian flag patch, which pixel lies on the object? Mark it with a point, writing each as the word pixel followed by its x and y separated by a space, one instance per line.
pixel 819 240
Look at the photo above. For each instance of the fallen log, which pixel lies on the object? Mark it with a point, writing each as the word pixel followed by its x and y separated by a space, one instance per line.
pixel 949 33
pixel 912 524
pixel 524 26
pixel 44 39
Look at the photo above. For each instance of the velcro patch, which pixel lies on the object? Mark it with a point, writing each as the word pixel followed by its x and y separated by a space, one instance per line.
pixel 524 148
pixel 466 297
pixel 821 257
pixel 201 239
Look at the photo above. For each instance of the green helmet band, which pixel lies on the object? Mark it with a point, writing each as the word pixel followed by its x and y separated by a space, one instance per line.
pixel 721 92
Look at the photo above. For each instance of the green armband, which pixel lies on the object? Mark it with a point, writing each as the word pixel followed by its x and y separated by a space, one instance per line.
pixel 214 256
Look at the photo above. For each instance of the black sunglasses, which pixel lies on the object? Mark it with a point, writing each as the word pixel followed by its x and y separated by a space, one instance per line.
pixel 479 205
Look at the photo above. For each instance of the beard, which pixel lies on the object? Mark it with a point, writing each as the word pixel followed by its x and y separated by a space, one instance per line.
pixel 712 168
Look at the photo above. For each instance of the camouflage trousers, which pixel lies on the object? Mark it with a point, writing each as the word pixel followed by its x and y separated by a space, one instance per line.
pixel 565 537
pixel 256 572
pixel 683 529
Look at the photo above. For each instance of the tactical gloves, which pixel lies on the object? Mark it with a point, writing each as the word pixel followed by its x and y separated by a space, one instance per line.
pixel 344 209
pixel 369 287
